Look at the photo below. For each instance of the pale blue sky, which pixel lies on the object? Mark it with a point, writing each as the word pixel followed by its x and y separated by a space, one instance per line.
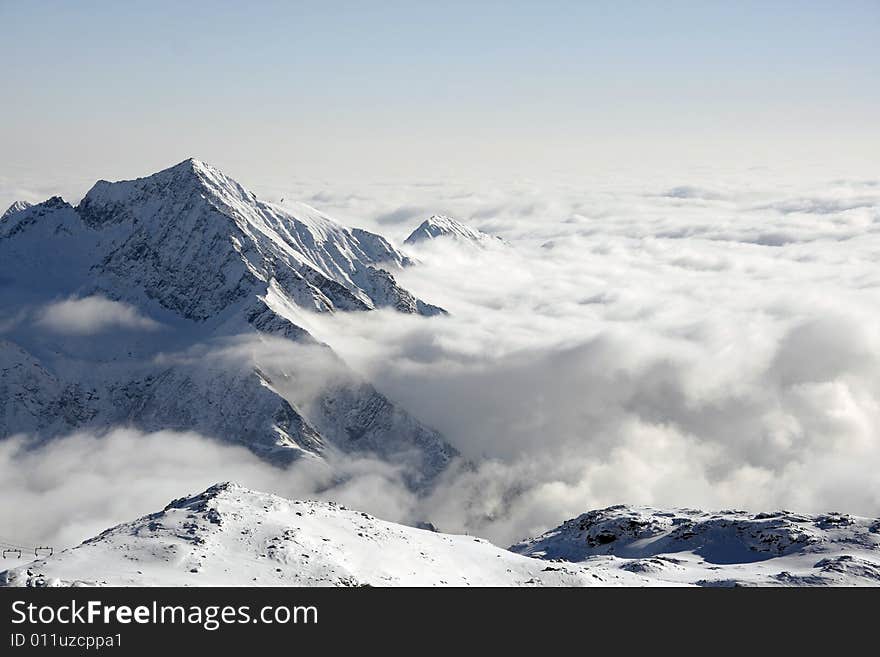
pixel 396 88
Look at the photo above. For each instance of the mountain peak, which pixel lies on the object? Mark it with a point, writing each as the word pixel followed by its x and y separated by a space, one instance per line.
pixel 439 225
pixel 218 490
pixel 187 169
pixel 197 208
pixel 191 162
pixel 195 166
pixel 164 193
pixel 53 203
pixel 17 206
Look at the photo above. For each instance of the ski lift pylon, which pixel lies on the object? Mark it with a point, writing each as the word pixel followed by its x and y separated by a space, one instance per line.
pixel 43 548
pixel 10 551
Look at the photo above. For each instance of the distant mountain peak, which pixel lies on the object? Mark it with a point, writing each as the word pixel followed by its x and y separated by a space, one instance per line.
pixel 438 225
pixel 193 162
pixel 188 178
pixel 187 168
pixel 189 164
pixel 17 206
pixel 196 209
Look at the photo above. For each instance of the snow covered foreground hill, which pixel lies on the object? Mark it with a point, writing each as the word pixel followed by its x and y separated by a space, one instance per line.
pixel 154 303
pixel 230 535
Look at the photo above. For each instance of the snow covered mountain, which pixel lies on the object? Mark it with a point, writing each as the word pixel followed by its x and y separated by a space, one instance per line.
pixel 441 226
pixel 125 309
pixel 229 535
pixel 234 246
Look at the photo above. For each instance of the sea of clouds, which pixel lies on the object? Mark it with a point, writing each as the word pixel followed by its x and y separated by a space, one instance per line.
pixel 709 341
pixel 711 345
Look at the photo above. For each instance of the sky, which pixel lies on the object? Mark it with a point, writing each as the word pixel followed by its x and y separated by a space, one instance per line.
pixel 276 91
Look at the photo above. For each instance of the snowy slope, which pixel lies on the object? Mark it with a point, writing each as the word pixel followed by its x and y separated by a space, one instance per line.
pixel 230 535
pixel 181 265
pixel 441 226
pixel 719 549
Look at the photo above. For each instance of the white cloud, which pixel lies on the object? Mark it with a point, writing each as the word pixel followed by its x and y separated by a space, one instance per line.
pixel 636 348
pixel 91 315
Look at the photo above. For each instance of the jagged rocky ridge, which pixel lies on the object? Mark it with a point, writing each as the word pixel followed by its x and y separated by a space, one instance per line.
pixel 204 262
pixel 229 535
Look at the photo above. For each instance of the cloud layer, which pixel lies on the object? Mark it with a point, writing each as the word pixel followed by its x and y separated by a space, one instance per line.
pixel 709 341
pixel 712 346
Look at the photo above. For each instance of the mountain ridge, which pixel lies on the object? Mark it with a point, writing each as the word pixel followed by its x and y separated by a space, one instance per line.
pixel 208 538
